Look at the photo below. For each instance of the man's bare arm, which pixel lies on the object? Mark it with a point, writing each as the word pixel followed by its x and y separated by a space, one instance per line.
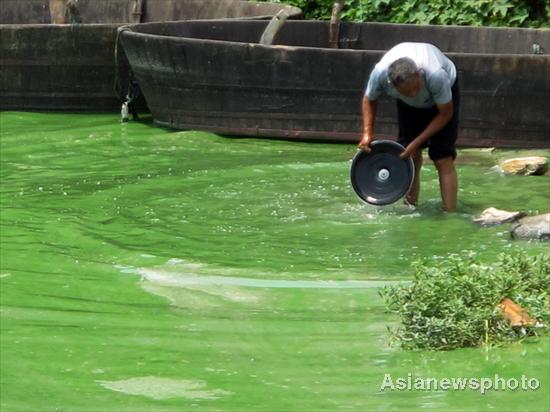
pixel 369 114
pixel 438 122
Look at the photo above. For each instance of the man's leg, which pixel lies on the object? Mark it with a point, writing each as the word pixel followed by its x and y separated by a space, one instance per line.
pixel 448 182
pixel 414 191
pixel 443 153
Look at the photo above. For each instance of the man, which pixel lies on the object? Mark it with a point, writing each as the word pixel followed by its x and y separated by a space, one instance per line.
pixel 424 82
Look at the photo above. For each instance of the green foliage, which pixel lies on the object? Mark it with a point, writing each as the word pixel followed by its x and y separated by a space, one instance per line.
pixel 511 13
pixel 454 304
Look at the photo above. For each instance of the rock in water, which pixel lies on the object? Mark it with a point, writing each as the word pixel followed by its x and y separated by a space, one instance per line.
pixel 493 216
pixel 533 165
pixel 532 227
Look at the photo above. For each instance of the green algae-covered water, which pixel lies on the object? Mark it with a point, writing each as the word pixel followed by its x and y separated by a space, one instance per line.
pixel 144 269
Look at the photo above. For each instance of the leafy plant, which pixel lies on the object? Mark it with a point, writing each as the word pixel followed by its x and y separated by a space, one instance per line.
pixel 454 304
pixel 511 13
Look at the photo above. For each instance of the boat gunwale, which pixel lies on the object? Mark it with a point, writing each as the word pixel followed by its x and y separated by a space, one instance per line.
pixel 128 28
pixel 126 23
pixel 60 26
pixel 327 22
pixel 127 31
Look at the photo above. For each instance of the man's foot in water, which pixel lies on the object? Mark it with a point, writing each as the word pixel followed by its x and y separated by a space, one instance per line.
pixel 409 204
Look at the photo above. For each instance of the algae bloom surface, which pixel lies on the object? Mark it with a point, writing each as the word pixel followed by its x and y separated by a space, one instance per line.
pixel 143 269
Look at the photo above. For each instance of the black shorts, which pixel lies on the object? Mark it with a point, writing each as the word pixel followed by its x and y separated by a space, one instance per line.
pixel 412 121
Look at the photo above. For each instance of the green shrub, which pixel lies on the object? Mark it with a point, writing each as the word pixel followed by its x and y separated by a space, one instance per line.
pixel 510 13
pixel 454 304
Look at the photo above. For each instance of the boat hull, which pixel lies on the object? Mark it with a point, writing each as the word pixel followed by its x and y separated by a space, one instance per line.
pixel 212 75
pixel 72 66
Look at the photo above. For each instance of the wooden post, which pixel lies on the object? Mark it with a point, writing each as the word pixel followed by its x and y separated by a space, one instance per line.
pixel 64 12
pixel 137 11
pixel 334 32
pixel 57 11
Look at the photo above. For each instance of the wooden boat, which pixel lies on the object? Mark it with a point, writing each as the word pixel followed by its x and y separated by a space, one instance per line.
pixel 71 66
pixel 213 75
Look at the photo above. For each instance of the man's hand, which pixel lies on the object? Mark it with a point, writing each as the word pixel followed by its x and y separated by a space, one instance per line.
pixel 438 122
pixel 364 144
pixel 411 150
